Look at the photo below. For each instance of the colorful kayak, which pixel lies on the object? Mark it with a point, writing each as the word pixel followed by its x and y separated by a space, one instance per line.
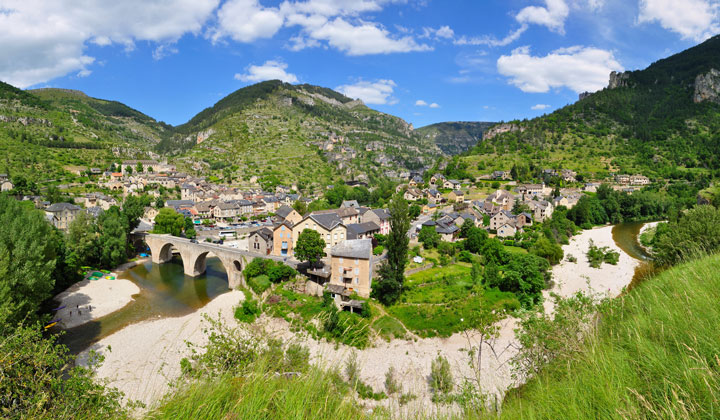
pixel 58 308
pixel 48 326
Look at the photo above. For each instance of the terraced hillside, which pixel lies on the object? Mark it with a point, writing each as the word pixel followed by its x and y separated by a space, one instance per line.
pixel 47 133
pixel 283 133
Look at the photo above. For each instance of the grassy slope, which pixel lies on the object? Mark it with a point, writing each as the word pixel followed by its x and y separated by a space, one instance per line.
pixel 655 355
pixel 273 129
pixel 37 151
pixel 652 126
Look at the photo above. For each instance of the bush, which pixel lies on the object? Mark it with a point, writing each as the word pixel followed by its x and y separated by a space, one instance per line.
pixel 378 250
pixel 391 384
pixel 441 380
pixel 248 310
pixel 259 284
pixel 465 256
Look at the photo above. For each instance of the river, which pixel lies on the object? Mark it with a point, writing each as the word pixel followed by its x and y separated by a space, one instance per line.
pixel 625 236
pixel 165 291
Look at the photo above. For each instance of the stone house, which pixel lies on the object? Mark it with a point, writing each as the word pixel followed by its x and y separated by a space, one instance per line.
pixel 438 179
pixel 61 215
pixel 329 225
pixel 283 239
pixel 541 209
pixel 287 213
pixel 507 230
pixel 451 184
pixel 226 210
pixel 351 266
pixel 457 196
pixel 501 218
pixel 261 241
pixel 413 194
pixel 362 230
pixel 380 217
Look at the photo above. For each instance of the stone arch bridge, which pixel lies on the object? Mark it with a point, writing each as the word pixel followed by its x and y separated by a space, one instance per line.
pixel 194 256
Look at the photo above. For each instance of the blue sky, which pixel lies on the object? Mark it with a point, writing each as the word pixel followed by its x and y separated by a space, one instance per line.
pixel 424 60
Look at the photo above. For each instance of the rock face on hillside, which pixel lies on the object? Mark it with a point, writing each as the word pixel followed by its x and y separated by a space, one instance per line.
pixel 707 87
pixel 500 129
pixel 619 79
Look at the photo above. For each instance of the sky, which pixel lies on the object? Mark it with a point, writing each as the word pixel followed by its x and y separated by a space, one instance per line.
pixel 426 61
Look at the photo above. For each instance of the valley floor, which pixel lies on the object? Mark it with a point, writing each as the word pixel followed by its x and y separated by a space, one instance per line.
pixel 142 359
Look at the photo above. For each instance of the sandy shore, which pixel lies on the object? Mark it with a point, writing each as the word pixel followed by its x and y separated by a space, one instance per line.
pixel 145 357
pixel 606 281
pixel 142 359
pixel 104 296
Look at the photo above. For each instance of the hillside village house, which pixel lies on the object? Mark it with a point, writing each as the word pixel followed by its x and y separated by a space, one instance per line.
pixel 261 241
pixel 501 175
pixel 530 191
pixel 351 266
pixel 362 230
pixel 150 213
pixel 501 198
pixel 148 166
pixel 451 184
pixel 457 196
pixel 5 184
pixel 413 194
pixel 226 210
pixel 541 209
pixel 639 180
pixel 501 218
pixel 287 213
pixel 329 225
pixel 506 231
pixel 283 239
pixel 434 195
pixel 61 215
pixel 380 217
pixel 437 180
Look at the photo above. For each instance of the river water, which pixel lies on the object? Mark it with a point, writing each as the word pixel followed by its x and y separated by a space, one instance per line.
pixel 625 236
pixel 165 291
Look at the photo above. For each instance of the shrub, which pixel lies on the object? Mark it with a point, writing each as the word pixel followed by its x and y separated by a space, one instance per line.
pixel 465 256
pixel 259 284
pixel 378 250
pixel 441 380
pixel 297 358
pixel 391 384
pixel 248 310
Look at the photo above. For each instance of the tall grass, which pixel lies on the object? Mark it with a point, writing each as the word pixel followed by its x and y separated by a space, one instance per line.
pixel 655 354
pixel 314 394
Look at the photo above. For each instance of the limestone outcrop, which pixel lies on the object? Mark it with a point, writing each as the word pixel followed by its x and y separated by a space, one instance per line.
pixel 707 87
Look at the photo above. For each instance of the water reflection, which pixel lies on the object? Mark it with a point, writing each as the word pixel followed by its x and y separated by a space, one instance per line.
pixel 165 291
pixel 625 236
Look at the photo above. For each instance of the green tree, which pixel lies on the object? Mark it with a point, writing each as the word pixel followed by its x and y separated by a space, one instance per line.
pixel 28 256
pixel 414 211
pixel 139 167
pixel 300 207
pixel 133 208
pixel 189 228
pixel 159 203
pixel 169 221
pixel 392 271
pixel 475 240
pixel 465 228
pixel 544 248
pixel 113 226
pixel 310 247
pixel 520 207
pixel 694 234
pixel 82 240
pixel 429 237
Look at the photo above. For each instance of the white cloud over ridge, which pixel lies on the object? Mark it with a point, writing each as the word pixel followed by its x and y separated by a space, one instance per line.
pixel 270 70
pixel 692 19
pixel 41 40
pixel 577 68
pixel 539 107
pixel 378 92
pixel 553 15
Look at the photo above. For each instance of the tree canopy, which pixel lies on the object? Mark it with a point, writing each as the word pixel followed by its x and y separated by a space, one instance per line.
pixel 310 246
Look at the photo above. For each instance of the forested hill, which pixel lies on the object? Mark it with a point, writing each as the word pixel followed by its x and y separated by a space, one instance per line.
pixel 455 137
pixel 664 120
pixel 41 131
pixel 280 133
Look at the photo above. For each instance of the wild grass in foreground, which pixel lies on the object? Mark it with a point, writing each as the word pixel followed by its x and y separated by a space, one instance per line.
pixel 655 354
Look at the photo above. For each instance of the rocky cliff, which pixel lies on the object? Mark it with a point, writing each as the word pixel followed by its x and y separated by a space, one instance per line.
pixel 707 87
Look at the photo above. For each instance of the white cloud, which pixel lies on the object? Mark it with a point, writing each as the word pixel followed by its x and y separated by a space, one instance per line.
pixel 577 68
pixel 553 15
pixel 445 32
pixel 363 38
pixel 42 40
pixel 378 92
pixel 692 19
pixel 270 70
pixel 246 21
pixel 491 41
pixel 434 105
pixel 333 22
pixel 420 102
pixel 539 107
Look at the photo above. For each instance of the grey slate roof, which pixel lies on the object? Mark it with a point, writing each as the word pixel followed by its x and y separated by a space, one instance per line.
pixel 354 248
pixel 363 228
pixel 283 211
pixel 327 220
pixel 58 207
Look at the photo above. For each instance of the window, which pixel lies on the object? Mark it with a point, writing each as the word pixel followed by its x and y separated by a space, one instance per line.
pixel 341 260
pixel 357 261
pixel 328 236
pixel 357 281
pixel 282 228
pixel 357 271
pixel 336 236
